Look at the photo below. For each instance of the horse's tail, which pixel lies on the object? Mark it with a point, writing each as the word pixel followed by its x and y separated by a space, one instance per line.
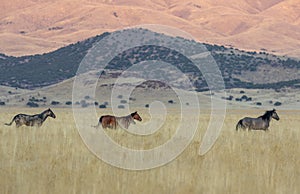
pixel 100 121
pixel 9 124
pixel 239 124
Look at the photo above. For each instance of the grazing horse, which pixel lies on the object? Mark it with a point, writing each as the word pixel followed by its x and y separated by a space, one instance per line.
pixel 259 123
pixel 32 120
pixel 112 122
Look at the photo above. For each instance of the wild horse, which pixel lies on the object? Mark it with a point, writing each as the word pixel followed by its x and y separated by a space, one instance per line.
pixel 109 121
pixel 32 120
pixel 259 123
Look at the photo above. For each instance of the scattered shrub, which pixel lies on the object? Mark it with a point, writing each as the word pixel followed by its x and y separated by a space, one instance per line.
pixel 68 103
pixel 102 106
pixel 96 103
pixel 32 104
pixel 32 99
pixel 242 92
pixel 229 98
pixel 258 103
pixel 277 103
pixel 55 103
pixel 83 103
pixel 171 101
pixel 147 105
pixel 244 97
pixel 121 106
pixel 2 103
pixel 132 99
pixel 123 101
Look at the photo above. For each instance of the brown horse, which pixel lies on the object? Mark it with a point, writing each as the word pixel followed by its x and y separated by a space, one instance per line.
pixel 112 122
pixel 32 120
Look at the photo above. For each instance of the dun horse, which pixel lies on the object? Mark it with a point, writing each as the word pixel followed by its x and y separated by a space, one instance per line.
pixel 109 121
pixel 32 120
pixel 259 123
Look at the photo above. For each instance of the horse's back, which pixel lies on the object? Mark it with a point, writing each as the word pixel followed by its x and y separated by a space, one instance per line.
pixel 108 121
pixel 106 117
pixel 255 123
pixel 248 119
pixel 124 121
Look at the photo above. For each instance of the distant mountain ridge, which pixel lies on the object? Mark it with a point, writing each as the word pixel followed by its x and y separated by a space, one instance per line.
pixel 40 26
pixel 237 67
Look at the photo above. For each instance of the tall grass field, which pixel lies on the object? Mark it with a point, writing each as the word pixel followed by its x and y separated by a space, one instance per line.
pixel 54 158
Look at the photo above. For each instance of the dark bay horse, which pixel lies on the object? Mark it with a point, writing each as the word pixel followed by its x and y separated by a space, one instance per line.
pixel 109 121
pixel 32 120
pixel 259 123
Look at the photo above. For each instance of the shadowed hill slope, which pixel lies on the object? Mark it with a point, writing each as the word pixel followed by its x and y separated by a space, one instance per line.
pixel 238 67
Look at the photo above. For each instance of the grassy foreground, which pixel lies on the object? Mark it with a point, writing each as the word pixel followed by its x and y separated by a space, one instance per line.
pixel 54 159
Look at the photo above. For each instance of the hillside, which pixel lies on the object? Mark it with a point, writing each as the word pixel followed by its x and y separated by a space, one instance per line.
pixel 46 69
pixel 238 68
pixel 39 26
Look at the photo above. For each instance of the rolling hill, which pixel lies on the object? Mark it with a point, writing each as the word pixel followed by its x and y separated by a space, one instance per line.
pixel 238 67
pixel 39 26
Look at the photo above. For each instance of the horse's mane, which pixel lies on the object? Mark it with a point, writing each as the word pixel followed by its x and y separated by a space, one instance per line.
pixel 267 115
pixel 46 110
pixel 132 114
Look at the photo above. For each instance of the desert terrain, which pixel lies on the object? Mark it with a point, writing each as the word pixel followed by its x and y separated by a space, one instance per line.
pixel 256 44
pixel 34 27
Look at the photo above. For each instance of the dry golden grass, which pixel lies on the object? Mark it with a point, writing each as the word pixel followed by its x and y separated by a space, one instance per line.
pixel 54 159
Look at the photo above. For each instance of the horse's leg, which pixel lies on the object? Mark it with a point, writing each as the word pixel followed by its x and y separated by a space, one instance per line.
pixel 115 124
pixel 126 125
pixel 244 125
pixel 103 125
pixel 249 127
pixel 110 125
pixel 18 123
pixel 39 125
pixel 31 124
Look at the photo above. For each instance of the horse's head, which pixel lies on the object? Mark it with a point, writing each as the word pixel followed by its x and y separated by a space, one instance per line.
pixel 50 113
pixel 136 116
pixel 275 115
